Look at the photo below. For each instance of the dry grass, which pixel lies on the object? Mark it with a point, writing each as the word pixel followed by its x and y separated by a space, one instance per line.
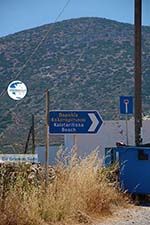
pixel 80 191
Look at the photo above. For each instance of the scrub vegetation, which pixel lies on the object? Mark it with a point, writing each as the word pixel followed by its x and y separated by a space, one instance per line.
pixel 86 64
pixel 80 191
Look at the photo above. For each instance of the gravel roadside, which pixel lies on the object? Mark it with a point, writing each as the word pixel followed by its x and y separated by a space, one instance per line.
pixel 138 215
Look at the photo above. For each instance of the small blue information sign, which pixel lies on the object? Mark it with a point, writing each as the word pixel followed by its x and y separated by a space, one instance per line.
pixel 74 122
pixel 126 105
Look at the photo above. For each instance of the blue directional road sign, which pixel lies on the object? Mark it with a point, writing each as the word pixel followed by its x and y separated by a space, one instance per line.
pixel 74 122
pixel 126 105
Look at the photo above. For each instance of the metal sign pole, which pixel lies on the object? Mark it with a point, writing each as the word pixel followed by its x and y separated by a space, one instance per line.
pixel 74 140
pixel 47 138
pixel 126 108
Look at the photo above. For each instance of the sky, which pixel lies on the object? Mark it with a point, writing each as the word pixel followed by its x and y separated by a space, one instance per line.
pixel 18 15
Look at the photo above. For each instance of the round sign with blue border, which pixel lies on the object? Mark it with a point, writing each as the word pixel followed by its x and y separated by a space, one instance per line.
pixel 17 90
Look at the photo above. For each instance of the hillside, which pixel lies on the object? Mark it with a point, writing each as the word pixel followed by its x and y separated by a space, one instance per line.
pixel 86 63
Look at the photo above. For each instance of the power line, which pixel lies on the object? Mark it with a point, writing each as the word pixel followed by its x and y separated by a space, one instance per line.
pixel 75 64
pixel 38 45
pixel 28 60
pixel 73 69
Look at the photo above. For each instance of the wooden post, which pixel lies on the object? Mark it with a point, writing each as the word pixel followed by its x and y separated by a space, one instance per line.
pixel 47 138
pixel 33 135
pixel 28 139
pixel 138 72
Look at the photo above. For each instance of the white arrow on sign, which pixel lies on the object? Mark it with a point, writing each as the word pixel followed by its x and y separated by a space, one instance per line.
pixel 95 122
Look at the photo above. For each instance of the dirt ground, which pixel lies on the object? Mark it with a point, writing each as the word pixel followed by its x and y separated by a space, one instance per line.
pixel 138 215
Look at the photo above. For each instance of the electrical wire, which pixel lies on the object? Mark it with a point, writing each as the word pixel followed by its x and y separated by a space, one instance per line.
pixel 75 64
pixel 28 60
pixel 38 45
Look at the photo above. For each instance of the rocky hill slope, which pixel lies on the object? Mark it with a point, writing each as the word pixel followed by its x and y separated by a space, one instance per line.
pixel 86 63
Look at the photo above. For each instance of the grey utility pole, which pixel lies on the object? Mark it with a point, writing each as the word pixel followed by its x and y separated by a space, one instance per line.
pixel 138 72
